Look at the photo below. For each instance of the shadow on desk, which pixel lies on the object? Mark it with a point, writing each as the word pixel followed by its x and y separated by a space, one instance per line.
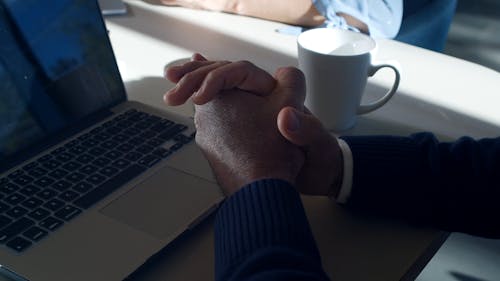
pixel 403 115
pixel 197 38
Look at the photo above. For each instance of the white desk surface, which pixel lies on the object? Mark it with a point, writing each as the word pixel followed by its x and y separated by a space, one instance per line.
pixel 438 93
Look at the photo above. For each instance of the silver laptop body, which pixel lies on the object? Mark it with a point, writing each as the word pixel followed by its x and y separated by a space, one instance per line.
pixel 107 231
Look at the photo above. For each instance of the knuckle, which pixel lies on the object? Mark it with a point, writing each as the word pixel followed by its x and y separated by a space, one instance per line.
pixel 293 72
pixel 244 63
pixel 189 77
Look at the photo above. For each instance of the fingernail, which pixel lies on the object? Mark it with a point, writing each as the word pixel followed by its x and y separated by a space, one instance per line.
pixel 293 123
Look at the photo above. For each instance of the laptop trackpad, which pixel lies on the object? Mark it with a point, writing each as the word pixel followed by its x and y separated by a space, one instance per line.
pixel 165 203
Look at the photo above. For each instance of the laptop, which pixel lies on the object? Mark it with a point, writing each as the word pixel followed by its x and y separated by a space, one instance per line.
pixel 91 185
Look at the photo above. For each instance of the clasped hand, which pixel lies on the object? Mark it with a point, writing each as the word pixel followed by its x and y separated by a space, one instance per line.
pixel 251 125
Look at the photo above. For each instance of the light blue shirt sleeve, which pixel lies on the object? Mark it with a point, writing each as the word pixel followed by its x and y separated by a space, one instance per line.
pixel 383 17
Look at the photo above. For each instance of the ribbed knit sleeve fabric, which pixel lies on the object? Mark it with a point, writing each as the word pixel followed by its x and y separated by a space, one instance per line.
pixel 455 186
pixel 262 233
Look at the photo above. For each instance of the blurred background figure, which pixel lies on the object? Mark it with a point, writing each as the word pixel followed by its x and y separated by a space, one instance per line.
pixel 475 33
pixel 423 23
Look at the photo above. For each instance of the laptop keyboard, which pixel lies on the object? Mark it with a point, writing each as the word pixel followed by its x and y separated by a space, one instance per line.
pixel 43 195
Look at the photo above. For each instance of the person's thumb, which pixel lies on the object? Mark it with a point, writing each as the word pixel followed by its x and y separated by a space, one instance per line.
pixel 301 129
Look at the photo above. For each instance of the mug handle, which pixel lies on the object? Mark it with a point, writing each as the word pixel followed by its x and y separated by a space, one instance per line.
pixel 362 109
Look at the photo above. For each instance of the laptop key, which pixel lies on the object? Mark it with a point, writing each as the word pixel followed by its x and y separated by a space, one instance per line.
pixel 131 132
pixel 85 158
pixel 78 149
pixel 44 181
pixel 44 158
pixel 143 125
pixel 109 171
pixel 144 149
pixel 75 177
pixel 15 228
pixel 4 207
pixel 8 188
pixel 162 125
pixel 67 213
pixel 72 143
pixel 64 157
pixel 102 136
pixel 23 180
pixel 71 166
pixel 172 131
pixel 96 130
pixel 19 244
pixel 155 142
pixel 182 138
pixel 39 214
pixel 51 164
pixel 137 141
pixel 148 134
pixel 35 233
pixel 37 172
pixel 126 147
pixel 138 116
pixel 120 138
pixel 15 174
pixel 69 195
pixel 109 123
pixel 30 166
pixel 109 144
pixel 16 212
pixel 58 151
pixel 176 146
pixel 88 169
pixel 4 220
pixel 82 187
pixel 58 173
pixel 161 152
pixel 97 151
pixel 29 190
pixel 113 130
pixel 121 164
pixel 14 199
pixel 101 162
pixel 32 203
pixel 51 223
pixel 133 156
pixel 96 179
pixel 84 137
pixel 61 185
pixel 54 205
pixel 113 155
pixel 47 194
pixel 90 143
pixel 149 160
pixel 109 186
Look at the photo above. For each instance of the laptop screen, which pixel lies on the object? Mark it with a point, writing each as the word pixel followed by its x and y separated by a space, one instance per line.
pixel 56 68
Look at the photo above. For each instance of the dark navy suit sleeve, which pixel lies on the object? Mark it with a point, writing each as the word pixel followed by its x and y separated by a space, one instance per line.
pixel 262 233
pixel 454 186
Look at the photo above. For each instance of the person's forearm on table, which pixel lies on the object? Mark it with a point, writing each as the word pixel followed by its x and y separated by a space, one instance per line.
pixel 262 233
pixel 297 12
pixel 453 186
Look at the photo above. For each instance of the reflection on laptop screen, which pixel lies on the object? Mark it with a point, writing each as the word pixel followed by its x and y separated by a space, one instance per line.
pixel 56 67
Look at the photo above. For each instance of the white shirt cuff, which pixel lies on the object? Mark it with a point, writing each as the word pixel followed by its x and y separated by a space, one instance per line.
pixel 346 187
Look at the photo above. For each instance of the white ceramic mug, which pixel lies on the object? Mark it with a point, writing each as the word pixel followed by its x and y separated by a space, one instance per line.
pixel 337 64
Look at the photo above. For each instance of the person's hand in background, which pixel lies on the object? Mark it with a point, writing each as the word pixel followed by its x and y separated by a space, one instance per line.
pixel 296 12
pixel 236 121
